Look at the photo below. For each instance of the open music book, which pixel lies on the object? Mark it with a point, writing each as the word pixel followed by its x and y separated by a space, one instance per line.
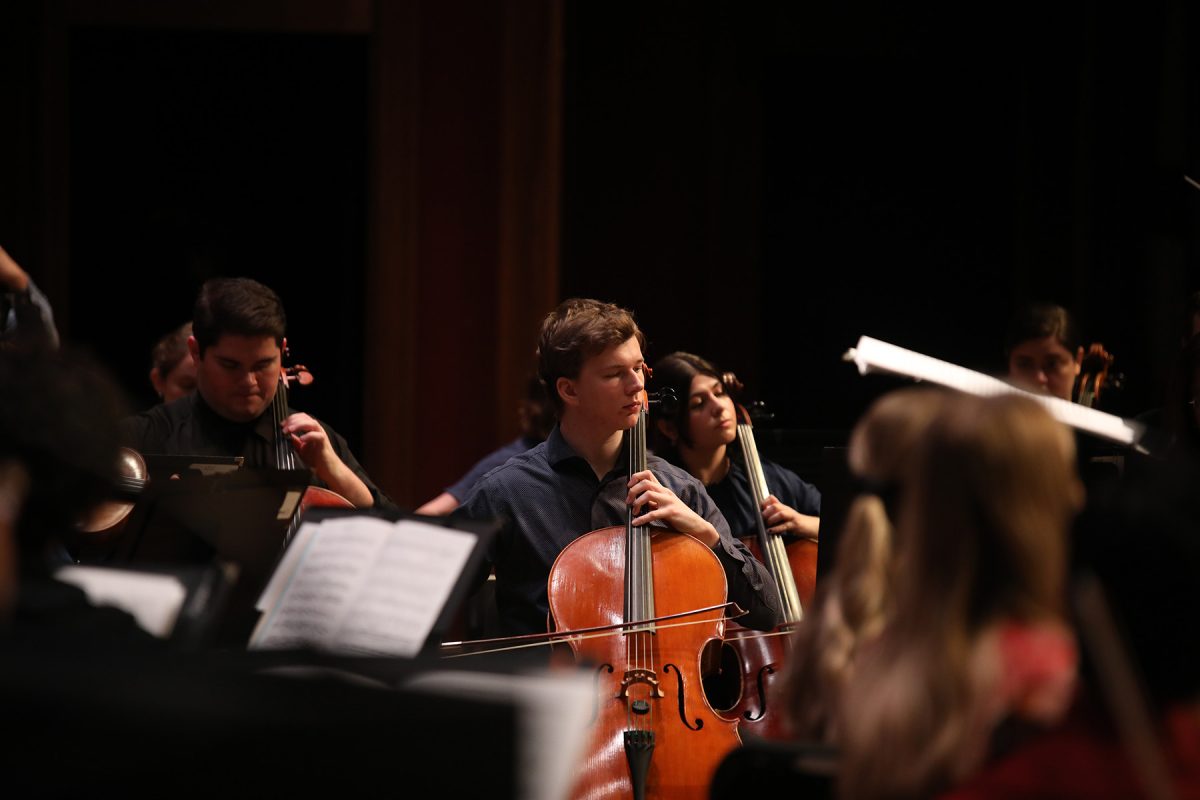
pixel 872 355
pixel 361 585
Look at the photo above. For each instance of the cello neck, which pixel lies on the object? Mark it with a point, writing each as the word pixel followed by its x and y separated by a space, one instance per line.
pixel 639 575
pixel 774 554
pixel 285 454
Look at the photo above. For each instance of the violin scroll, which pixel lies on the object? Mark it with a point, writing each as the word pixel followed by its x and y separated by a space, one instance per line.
pixel 664 398
pixel 1095 375
pixel 297 373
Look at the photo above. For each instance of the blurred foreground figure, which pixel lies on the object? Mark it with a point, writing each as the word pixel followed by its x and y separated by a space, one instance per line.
pixel 853 604
pixel 1141 543
pixel 974 640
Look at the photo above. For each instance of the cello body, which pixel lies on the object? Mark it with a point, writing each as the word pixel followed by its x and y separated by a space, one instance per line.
pixel 752 663
pixel 660 670
pixel 742 686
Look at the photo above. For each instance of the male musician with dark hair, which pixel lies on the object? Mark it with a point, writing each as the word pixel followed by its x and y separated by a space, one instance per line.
pixel 590 359
pixel 237 338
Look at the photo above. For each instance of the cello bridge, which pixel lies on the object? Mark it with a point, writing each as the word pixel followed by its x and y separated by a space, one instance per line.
pixel 635 676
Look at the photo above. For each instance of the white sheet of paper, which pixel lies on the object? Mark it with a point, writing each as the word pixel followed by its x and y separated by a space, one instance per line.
pixel 153 600
pixel 287 566
pixel 364 586
pixel 873 355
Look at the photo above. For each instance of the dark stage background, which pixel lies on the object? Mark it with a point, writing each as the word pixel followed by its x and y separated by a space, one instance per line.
pixel 761 183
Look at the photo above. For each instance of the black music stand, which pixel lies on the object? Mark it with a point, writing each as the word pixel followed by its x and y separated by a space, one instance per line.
pixel 238 521
pixel 161 467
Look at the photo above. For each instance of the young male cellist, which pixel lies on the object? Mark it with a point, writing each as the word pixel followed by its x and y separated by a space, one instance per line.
pixel 590 359
pixel 238 329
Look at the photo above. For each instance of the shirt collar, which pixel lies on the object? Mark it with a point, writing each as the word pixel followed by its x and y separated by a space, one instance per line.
pixel 558 451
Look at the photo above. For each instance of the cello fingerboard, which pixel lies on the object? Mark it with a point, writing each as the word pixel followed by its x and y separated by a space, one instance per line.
pixel 639 572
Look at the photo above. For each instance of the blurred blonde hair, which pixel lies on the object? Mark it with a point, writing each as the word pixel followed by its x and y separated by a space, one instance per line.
pixel 852 603
pixel 980 538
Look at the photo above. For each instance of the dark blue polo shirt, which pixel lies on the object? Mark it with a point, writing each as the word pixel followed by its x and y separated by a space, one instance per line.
pixel 549 496
pixel 733 496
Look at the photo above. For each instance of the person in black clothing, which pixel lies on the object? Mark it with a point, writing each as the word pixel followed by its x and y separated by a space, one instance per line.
pixel 101 707
pixel 697 436
pixel 237 339
pixel 590 359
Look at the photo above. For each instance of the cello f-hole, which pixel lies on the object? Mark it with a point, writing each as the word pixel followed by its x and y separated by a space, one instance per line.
pixel 667 669
pixel 750 716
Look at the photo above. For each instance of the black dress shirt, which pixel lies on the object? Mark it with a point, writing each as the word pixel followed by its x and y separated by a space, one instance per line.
pixel 549 496
pixel 188 426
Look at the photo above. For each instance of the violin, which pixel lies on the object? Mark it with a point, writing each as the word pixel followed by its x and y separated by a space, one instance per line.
pixel 752 660
pixel 107 520
pixel 285 452
pixel 654 732
pixel 1095 373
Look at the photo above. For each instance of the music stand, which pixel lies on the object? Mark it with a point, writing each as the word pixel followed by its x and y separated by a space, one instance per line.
pixel 239 520
pixel 162 466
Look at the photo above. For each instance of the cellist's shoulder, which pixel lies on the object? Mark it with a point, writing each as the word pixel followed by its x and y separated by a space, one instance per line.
pixel 670 475
pixel 511 480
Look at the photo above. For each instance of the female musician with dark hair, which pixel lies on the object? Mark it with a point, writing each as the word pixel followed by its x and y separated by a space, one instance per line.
pixel 1045 353
pixel 1043 350
pixel 697 436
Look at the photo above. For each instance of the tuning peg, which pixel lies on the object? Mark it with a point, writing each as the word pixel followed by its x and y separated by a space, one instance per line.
pixel 665 399
pixel 759 412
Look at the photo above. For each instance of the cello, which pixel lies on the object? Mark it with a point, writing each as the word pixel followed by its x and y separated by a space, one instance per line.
pixel 654 732
pixel 285 452
pixel 753 656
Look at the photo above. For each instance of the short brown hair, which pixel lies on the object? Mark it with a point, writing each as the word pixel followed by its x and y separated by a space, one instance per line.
pixel 241 306
pixel 579 329
pixel 170 349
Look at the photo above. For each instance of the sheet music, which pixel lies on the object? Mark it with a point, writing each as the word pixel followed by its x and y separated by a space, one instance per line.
pixel 153 600
pixel 873 355
pixel 362 586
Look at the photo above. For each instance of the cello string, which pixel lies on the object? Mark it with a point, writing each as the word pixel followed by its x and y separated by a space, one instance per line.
pixel 774 552
pixel 632 600
pixel 750 456
pixel 784 578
